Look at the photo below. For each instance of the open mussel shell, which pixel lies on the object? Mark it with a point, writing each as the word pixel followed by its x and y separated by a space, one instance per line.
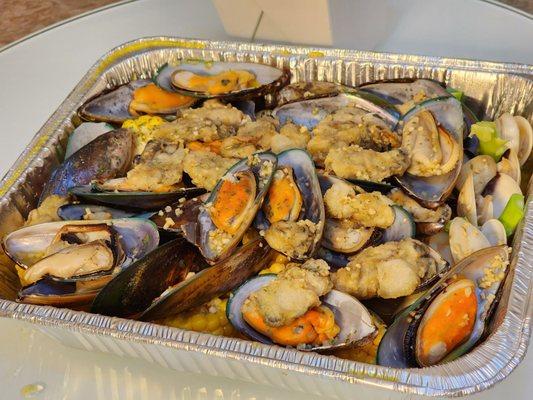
pixel 107 156
pixel 48 292
pixel 133 200
pixel 185 78
pixel 136 237
pixel 130 100
pixel 459 305
pixel 250 179
pixel 431 191
pixel 85 133
pixel 111 105
pixel 403 226
pixel 309 113
pixel 133 290
pixel 353 318
pixel 80 211
pixel 399 91
pixel 305 177
pixel 299 91
pixel 212 282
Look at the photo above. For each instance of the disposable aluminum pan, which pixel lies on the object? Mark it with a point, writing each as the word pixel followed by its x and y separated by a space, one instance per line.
pixel 492 88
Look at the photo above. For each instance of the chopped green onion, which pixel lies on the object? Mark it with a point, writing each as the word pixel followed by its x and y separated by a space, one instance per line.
pixel 489 142
pixel 512 213
pixel 456 93
pixel 447 226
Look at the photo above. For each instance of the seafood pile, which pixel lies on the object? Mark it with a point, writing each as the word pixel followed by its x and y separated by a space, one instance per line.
pixel 370 222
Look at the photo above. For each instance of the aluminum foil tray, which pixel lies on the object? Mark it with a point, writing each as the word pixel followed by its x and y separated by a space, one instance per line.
pixel 491 89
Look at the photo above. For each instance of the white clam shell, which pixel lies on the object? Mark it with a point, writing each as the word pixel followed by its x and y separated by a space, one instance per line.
pixel 510 165
pixel 503 189
pixel 526 138
pixel 466 202
pixel 494 231
pixel 508 130
pixel 465 239
pixel 484 209
pixel 483 168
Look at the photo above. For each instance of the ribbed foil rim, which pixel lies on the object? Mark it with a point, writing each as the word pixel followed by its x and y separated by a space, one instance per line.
pixel 489 363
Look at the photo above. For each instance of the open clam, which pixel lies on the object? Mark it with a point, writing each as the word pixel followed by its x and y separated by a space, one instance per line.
pixel 433 135
pixel 353 319
pixel 130 100
pixel 233 204
pixel 451 318
pixel 228 80
pixel 293 207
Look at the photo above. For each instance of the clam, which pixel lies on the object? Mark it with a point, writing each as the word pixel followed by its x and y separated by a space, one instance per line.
pixel 353 318
pixel 80 250
pixel 500 189
pixel 309 113
pixel 233 204
pixel 526 138
pixel 451 318
pixel 510 165
pixel 130 100
pixel 293 198
pixel 483 168
pixel 465 239
pixel 433 135
pixel 106 157
pixel 134 289
pixel 228 80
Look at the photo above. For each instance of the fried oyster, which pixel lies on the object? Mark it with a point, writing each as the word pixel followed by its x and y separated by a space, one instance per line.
pixel 389 271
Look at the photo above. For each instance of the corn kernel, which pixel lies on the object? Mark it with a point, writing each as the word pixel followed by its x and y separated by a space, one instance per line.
pixel 198 323
pixel 276 268
pixel 280 258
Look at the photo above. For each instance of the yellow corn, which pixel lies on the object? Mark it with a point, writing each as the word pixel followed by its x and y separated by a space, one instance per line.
pixel 279 264
pixel 143 128
pixel 208 318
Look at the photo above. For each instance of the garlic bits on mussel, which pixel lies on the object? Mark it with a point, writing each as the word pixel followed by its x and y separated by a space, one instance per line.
pixel 130 100
pixel 432 134
pixel 217 79
pixel 292 216
pixel 154 181
pixel 298 308
pixel 106 157
pixel 451 317
pixel 232 205
pixel 348 228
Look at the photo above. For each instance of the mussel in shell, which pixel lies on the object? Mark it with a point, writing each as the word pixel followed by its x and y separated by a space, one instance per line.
pixel 211 282
pixel 233 204
pixel 134 289
pixel 451 318
pixel 292 217
pixel 433 136
pixel 131 100
pixel 226 80
pixel 354 321
pixel 80 250
pixel 106 157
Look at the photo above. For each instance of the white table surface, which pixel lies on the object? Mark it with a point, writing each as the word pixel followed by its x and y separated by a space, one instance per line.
pixel 38 73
